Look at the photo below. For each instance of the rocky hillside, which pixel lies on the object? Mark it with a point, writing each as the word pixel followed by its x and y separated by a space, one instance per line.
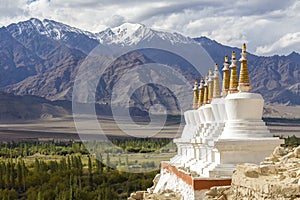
pixel 277 177
pixel 14 108
pixel 42 58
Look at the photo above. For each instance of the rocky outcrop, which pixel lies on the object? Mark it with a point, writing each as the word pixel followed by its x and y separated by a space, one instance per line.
pixel 143 195
pixel 277 177
pixel 219 193
pixel 149 195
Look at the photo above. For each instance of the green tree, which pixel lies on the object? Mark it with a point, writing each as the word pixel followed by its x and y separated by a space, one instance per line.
pixel 99 164
pixel 90 172
pixel 19 175
pixel 63 164
pixel 40 197
pixel 107 162
pixel 24 174
pixel 126 161
pixel 68 163
pixel 36 165
pixel 119 160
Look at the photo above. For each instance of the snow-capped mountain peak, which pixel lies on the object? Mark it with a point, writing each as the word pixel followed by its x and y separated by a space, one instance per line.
pixel 127 28
pixel 130 34
pixel 49 28
pixel 125 34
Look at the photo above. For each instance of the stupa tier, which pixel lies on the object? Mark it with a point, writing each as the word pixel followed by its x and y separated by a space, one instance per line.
pixel 224 128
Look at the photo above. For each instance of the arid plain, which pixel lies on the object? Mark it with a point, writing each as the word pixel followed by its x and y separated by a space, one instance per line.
pixel 281 120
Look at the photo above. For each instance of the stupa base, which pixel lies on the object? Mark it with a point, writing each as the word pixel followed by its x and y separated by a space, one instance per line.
pixel 183 182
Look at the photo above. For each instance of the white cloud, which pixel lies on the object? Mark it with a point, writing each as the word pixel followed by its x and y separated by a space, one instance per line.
pixel 261 24
pixel 115 20
pixel 287 43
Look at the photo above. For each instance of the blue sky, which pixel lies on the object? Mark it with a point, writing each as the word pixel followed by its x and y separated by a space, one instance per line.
pixel 268 27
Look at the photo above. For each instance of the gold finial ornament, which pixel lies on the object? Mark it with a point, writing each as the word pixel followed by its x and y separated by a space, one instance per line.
pixel 226 77
pixel 201 92
pixel 210 86
pixel 244 47
pixel 233 83
pixel 205 98
pixel 244 84
pixel 196 95
pixel 216 90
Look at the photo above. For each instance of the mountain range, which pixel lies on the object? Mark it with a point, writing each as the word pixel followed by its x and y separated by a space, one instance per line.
pixel 42 58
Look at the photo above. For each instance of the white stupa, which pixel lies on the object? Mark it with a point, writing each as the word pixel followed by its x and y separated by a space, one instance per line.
pixel 223 129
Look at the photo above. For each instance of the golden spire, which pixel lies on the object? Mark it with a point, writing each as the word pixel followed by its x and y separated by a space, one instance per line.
pixel 216 92
pixel 201 92
pixel 210 85
pixel 233 75
pixel 205 98
pixel 244 84
pixel 226 77
pixel 244 47
pixel 196 95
